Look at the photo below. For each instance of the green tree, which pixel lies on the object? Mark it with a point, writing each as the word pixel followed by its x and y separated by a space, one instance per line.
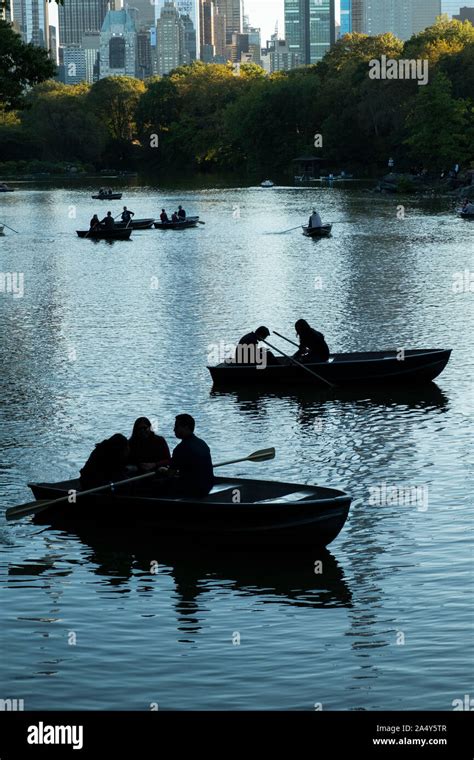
pixel 21 66
pixel 114 101
pixel 441 127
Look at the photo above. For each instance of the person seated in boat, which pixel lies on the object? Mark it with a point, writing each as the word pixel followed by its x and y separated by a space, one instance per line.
pixel 148 451
pixel 467 207
pixel 249 352
pixel 107 463
pixel 175 217
pixel 94 223
pixel 127 215
pixel 164 216
pixel 191 473
pixel 313 347
pixel 101 191
pixel 181 214
pixel 315 220
pixel 108 221
pixel 109 191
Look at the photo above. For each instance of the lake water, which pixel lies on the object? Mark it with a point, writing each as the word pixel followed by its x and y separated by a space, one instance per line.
pixel 105 333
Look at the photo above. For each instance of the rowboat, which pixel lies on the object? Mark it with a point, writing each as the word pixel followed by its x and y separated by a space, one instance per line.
pixel 103 234
pixel 317 232
pixel 136 224
pixel 371 368
pixel 6 189
pixel 465 216
pixel 190 221
pixel 107 197
pixel 268 515
pixel 267 183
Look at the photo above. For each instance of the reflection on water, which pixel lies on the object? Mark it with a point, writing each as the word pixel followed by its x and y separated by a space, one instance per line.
pixel 107 333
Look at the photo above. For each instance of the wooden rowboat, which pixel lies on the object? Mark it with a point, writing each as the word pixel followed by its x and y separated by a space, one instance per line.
pixel 190 221
pixel 107 197
pixel 268 515
pixel 318 232
pixel 135 224
pixel 465 216
pixel 355 369
pixel 104 234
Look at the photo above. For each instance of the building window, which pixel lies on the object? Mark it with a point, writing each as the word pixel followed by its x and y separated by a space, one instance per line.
pixel 117 53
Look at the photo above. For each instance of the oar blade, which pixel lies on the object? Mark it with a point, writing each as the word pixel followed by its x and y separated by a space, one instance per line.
pixel 262 456
pixel 23 510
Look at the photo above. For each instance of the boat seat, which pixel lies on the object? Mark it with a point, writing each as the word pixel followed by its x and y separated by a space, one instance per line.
pixel 288 498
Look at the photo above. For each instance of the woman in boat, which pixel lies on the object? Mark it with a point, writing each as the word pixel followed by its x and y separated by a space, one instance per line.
pixel 175 217
pixel 148 451
pixel 107 463
pixel 313 347
pixel 164 216
pixel 315 220
pixel 95 222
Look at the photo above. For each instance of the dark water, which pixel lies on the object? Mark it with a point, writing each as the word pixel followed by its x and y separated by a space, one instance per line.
pixel 105 333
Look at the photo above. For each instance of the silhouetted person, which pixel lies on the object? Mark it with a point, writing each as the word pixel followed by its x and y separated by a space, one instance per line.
pixel 94 223
pixel 313 347
pixel 127 215
pixel 108 221
pixel 181 213
pixel 191 471
pixel 107 462
pixel 148 451
pixel 164 216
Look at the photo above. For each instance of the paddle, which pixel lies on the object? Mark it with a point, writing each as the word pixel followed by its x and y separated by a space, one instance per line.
pixel 9 228
pixel 287 339
pixel 201 222
pixel 34 507
pixel 298 364
pixel 285 231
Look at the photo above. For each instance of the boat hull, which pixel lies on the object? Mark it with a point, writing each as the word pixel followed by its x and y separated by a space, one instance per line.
pixel 192 221
pixel 318 232
pixel 287 520
pixel 468 217
pixel 136 224
pixel 377 368
pixel 105 234
pixel 111 197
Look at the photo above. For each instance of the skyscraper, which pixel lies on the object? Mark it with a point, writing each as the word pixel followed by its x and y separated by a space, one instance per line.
pixel 76 17
pixel 401 17
pixel 233 12
pixel 32 21
pixel 346 17
pixel 170 39
pixel 185 8
pixel 146 12
pixel 311 27
pixel 6 11
pixel 118 45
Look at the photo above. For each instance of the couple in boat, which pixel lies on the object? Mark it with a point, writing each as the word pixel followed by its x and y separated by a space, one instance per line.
pixel 187 472
pixel 312 345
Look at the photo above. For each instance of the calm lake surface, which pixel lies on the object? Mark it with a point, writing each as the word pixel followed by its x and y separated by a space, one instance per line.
pixel 105 333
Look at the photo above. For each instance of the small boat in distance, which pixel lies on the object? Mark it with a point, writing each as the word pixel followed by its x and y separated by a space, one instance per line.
pixel 107 196
pixel 105 234
pixel 5 189
pixel 369 369
pixel 135 224
pixel 190 221
pixel 267 183
pixel 2 228
pixel 268 515
pixel 462 215
pixel 317 232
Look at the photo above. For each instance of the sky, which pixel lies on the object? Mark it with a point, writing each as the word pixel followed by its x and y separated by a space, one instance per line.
pixel 264 14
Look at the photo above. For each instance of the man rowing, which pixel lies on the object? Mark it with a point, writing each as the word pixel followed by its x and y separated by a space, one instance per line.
pixel 314 220
pixel 181 214
pixel 127 215
pixel 191 474
pixel 249 352
pixel 108 221
pixel 313 347
pixel 164 216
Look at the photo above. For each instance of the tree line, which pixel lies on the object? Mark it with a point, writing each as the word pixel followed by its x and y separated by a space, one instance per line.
pixel 204 117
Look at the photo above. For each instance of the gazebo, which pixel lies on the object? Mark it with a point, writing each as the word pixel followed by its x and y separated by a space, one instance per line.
pixel 307 168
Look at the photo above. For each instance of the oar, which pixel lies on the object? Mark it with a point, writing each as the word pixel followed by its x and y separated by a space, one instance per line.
pixel 201 222
pixel 298 364
pixel 9 228
pixel 287 339
pixel 33 507
pixel 285 231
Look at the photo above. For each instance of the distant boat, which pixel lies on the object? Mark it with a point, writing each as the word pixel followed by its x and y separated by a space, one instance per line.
pixel 2 233
pixel 5 189
pixel 190 221
pixel 267 183
pixel 462 215
pixel 318 232
pixel 105 234
pixel 107 197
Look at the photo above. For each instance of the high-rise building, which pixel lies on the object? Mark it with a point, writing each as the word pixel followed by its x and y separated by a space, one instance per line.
pixel 255 43
pixel 91 46
pixel 74 63
pixel 207 15
pixel 144 54
pixel 185 8
pixel 53 43
pixel 357 16
pixel 465 14
pixel 170 39
pixel 76 17
pixel 233 12
pixel 278 57
pixel 346 17
pixel 6 11
pixel 118 45
pixel 190 42
pixel 146 12
pixel 32 21
pixel 401 17
pixel 311 27
pixel 220 37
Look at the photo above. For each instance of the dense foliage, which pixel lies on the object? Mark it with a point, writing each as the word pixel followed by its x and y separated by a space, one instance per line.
pixel 205 117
